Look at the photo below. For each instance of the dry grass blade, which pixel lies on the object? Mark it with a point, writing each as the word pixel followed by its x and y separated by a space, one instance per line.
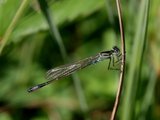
pixel 121 78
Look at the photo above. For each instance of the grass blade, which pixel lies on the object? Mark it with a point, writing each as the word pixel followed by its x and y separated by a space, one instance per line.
pixel 135 62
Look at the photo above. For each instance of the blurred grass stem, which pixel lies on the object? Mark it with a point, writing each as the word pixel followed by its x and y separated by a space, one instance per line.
pixel 13 23
pixel 128 109
pixel 55 34
pixel 149 95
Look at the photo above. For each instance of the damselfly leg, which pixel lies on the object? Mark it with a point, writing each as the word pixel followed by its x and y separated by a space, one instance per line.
pixel 114 64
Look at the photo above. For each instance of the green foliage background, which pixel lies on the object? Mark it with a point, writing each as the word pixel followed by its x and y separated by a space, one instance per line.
pixel 86 28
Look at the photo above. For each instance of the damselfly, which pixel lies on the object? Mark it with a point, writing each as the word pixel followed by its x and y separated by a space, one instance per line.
pixel 68 69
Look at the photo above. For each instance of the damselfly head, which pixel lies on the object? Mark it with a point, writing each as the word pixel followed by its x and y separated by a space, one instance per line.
pixel 116 50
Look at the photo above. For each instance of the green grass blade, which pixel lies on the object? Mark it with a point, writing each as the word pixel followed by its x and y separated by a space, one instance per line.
pixel 147 100
pixel 135 63
pixel 56 34
pixel 13 23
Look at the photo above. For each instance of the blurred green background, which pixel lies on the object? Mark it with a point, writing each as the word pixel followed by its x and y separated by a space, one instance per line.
pixel 33 46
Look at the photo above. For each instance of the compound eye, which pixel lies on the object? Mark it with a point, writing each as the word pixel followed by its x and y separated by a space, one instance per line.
pixel 116 49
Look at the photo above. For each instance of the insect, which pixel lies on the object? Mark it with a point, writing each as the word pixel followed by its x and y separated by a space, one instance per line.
pixel 68 69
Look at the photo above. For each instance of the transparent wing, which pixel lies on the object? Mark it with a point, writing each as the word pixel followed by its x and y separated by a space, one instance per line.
pixel 62 71
pixel 65 70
